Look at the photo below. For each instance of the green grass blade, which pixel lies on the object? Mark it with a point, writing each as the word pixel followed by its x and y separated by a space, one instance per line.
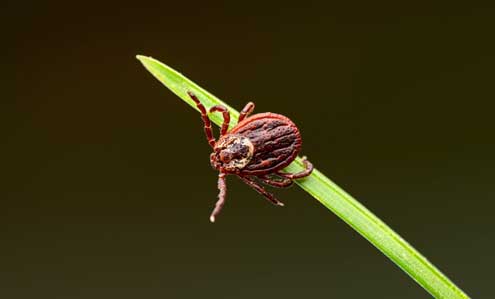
pixel 330 195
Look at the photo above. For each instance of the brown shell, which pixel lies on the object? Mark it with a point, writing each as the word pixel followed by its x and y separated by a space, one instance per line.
pixel 276 141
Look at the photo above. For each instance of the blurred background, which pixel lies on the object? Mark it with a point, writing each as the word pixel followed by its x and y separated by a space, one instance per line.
pixel 106 182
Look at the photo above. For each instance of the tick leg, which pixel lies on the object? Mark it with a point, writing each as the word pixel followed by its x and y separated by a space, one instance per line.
pixel 250 182
pixel 246 111
pixel 226 117
pixel 222 186
pixel 301 174
pixel 284 182
pixel 206 120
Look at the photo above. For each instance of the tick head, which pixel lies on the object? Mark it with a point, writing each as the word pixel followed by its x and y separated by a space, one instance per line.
pixel 232 153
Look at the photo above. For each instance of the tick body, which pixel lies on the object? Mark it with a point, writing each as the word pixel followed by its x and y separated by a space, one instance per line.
pixel 256 150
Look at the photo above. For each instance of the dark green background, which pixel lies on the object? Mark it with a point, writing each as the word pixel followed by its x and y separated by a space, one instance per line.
pixel 106 183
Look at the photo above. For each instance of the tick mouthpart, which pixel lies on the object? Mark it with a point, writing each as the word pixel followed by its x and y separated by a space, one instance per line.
pixel 225 156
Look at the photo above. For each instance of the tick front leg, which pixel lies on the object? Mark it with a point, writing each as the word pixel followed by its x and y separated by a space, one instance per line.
pixel 246 111
pixel 206 120
pixel 222 187
pixel 307 171
pixel 226 117
pixel 250 182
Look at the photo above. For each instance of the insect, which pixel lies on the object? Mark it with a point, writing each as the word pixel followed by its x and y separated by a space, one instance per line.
pixel 256 149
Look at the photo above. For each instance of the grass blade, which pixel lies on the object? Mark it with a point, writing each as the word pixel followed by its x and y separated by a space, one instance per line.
pixel 330 195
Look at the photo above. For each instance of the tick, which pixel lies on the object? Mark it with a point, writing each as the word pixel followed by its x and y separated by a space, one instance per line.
pixel 255 150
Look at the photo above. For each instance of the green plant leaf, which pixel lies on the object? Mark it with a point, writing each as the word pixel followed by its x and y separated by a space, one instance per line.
pixel 330 195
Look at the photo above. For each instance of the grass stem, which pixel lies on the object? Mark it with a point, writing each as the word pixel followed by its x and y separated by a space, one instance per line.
pixel 330 195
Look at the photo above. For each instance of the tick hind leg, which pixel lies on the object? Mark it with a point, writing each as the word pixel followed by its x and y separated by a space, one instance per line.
pixel 253 184
pixel 206 120
pixel 248 109
pixel 307 171
pixel 279 182
pixel 222 187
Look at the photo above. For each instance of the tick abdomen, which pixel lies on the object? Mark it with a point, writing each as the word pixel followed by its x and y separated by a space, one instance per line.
pixel 276 142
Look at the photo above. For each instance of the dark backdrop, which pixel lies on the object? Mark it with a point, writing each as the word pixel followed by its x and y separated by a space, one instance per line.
pixel 106 183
